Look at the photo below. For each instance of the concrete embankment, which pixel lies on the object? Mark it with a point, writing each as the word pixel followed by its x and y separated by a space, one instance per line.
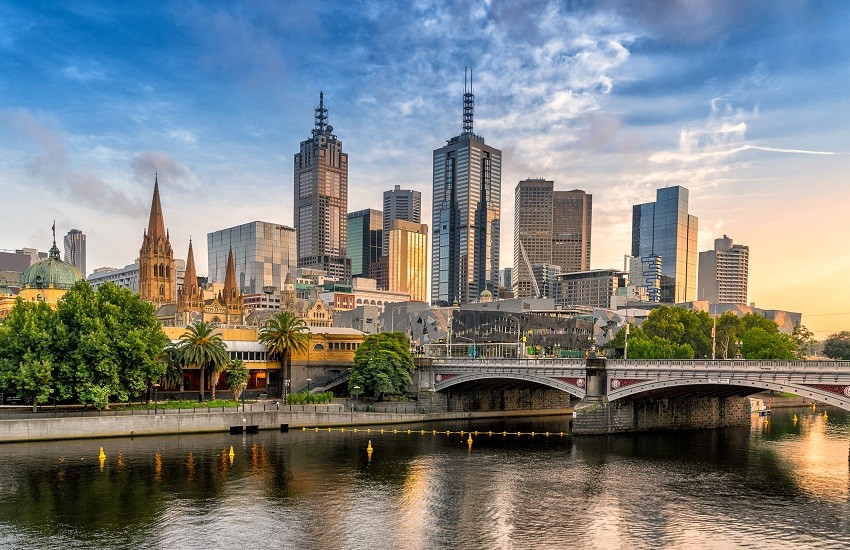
pixel 177 421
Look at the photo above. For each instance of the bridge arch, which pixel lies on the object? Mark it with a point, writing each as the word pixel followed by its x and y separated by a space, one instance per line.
pixel 555 383
pixel 817 394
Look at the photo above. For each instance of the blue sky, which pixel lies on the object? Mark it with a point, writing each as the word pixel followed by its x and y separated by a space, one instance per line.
pixel 744 103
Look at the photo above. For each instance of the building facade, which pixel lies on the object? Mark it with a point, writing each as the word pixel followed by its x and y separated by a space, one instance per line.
pixel 124 277
pixel 400 204
pixel 75 249
pixel 551 228
pixel 264 253
pixel 407 261
pixel 321 200
pixel 467 177
pixel 593 288
pixel 665 229
pixel 365 240
pixel 724 273
pixel 156 258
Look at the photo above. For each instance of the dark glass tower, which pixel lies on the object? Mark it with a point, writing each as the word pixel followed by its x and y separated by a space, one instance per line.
pixel 365 238
pixel 466 215
pixel 321 200
pixel 665 229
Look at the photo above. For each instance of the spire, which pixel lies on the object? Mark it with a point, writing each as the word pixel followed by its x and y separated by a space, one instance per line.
pixel 190 278
pixel 321 117
pixel 468 102
pixel 54 250
pixel 156 225
pixel 230 276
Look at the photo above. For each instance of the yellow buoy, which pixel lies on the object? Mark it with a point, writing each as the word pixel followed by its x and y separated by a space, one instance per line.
pixel 355 429
pixel 369 446
pixel 408 432
pixel 317 428
pixel 102 454
pixel 825 416
pixel 532 434
pixel 469 441
pixel 303 428
pixel 368 430
pixel 434 432
pixel 795 419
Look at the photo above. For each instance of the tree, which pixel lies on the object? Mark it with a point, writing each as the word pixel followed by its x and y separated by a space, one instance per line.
pixel 200 346
pixel 285 333
pixel 759 343
pixel 680 327
pixel 804 338
pixel 726 334
pixel 26 351
pixel 382 365
pixel 173 375
pixel 236 376
pixel 837 346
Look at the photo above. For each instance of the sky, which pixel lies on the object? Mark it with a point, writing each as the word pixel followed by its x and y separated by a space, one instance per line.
pixel 744 103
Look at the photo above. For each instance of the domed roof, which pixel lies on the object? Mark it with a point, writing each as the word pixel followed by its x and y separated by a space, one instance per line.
pixel 485 294
pixel 51 273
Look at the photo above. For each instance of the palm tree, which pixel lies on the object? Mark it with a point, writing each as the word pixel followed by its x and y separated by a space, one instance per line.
pixel 201 348
pixel 283 334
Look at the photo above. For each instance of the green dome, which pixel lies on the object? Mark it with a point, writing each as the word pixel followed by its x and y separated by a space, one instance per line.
pixel 52 272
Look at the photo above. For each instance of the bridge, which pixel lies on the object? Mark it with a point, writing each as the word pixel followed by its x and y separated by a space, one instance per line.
pixel 616 384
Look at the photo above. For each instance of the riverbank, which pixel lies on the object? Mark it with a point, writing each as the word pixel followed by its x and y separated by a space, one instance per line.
pixel 182 421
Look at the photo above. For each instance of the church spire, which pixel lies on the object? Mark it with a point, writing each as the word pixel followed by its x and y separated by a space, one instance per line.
pixel 190 278
pixel 156 225
pixel 230 277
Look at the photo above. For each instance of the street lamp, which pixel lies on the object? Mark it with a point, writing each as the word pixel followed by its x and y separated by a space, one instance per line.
pixel 432 390
pixel 155 387
pixel 474 349
pixel 356 394
pixel 308 380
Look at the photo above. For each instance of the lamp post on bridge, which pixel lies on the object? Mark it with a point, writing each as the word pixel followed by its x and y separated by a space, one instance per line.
pixel 474 348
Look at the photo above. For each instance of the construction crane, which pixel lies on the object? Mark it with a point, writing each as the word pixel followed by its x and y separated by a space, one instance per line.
pixel 537 293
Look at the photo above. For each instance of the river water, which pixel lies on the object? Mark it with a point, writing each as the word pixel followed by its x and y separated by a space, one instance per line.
pixel 781 484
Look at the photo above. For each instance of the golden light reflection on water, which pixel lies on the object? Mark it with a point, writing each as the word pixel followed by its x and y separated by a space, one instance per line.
pixel 820 467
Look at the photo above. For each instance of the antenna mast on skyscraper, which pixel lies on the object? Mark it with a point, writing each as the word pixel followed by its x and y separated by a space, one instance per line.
pixel 468 102
pixel 321 116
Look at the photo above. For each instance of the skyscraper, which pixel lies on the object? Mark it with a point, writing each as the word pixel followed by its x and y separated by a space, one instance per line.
pixel 321 199
pixel 408 258
pixel 263 253
pixel 365 240
pixel 466 215
pixel 665 229
pixel 75 249
pixel 400 204
pixel 723 273
pixel 551 228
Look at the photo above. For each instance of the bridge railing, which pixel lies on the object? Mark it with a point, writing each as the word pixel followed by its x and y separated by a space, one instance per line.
pixel 736 364
pixel 499 361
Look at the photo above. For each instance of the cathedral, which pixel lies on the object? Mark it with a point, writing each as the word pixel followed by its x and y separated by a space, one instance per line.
pixel 189 303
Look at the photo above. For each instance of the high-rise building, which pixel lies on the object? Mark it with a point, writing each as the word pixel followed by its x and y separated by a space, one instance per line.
pixel 551 228
pixel 124 277
pixel 75 249
pixel 365 240
pixel 263 252
pixel 321 200
pixel 400 204
pixel 156 258
pixel 507 279
pixel 723 273
pixel 466 215
pixel 408 259
pixel 664 228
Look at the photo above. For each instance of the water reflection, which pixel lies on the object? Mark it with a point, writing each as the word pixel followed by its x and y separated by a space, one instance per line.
pixel 780 483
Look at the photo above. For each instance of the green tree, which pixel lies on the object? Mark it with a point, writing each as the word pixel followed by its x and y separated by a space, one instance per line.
pixel 759 343
pixel 201 347
pixel 679 327
pixel 26 351
pixel 173 376
pixel 837 346
pixel 285 333
pixel 728 331
pixel 236 376
pixel 382 365
pixel 805 339
pixel 754 320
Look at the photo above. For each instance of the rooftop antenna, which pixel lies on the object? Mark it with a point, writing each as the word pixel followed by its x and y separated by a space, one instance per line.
pixel 321 116
pixel 468 101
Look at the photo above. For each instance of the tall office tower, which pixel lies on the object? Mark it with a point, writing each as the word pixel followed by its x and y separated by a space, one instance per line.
pixel 75 249
pixel 723 273
pixel 156 258
pixel 664 228
pixel 321 200
pixel 466 215
pixel 400 204
pixel 263 253
pixel 551 228
pixel 507 279
pixel 407 260
pixel 365 240
pixel 571 227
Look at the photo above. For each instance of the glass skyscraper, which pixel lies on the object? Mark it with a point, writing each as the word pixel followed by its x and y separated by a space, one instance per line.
pixel 665 229
pixel 466 216
pixel 364 240
pixel 75 249
pixel 263 253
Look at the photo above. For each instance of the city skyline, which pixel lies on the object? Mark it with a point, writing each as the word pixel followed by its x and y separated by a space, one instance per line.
pixel 740 103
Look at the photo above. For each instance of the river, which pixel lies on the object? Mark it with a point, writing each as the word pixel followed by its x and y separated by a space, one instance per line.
pixel 779 484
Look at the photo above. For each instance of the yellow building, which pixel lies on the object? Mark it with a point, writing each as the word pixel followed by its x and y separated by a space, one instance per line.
pixel 329 353
pixel 408 259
